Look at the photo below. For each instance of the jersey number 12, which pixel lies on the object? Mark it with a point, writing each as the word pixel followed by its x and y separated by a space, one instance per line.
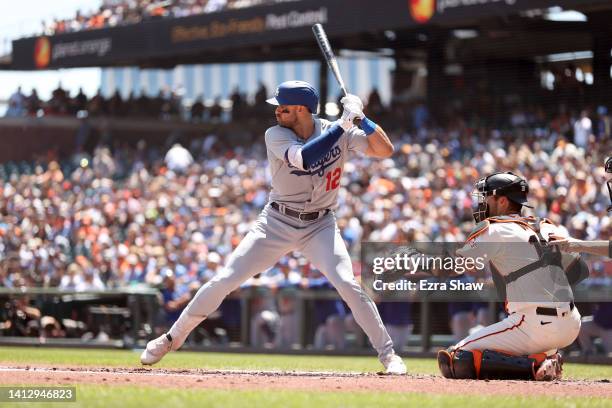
pixel 333 179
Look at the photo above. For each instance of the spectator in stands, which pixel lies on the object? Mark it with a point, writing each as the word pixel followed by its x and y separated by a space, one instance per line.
pixel 116 106
pixel 178 159
pixel 72 279
pixel 375 106
pixel 238 102
pixel 264 315
pixel 461 319
pixel 398 320
pixel 51 328
pixel 216 110
pixel 198 109
pixel 33 103
pixel 91 281
pixel 329 315
pixel 16 104
pixel 261 94
pixel 173 301
pixel 604 124
pixel 583 129
pixel 80 101
pixel 285 281
pixel 59 103
pixel 599 325
pixel 97 105
pixel 21 319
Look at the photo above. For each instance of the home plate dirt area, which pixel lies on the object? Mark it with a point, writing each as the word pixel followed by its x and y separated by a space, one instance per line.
pixel 293 380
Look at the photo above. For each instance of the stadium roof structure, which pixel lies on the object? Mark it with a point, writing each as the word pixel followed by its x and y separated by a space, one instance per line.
pixel 497 29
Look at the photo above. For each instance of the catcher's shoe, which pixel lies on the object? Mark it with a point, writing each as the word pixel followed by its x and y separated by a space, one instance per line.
pixel 156 349
pixel 445 363
pixel 394 365
pixel 551 369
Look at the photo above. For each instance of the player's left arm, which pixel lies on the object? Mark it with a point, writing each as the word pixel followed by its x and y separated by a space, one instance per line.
pixel 371 139
pixel 379 145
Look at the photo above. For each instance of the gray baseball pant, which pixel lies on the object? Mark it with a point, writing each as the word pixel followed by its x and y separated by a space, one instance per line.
pixel 274 235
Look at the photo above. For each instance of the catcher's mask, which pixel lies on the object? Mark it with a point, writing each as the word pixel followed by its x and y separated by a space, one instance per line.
pixel 608 167
pixel 498 184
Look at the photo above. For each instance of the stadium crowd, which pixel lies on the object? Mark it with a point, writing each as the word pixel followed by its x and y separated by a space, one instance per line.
pixel 166 105
pixel 145 215
pixel 112 13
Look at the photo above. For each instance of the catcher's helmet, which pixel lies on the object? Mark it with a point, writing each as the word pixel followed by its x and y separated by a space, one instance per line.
pixel 296 93
pixel 506 184
pixel 608 167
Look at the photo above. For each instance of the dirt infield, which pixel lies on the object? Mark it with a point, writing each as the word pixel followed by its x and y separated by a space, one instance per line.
pixel 306 381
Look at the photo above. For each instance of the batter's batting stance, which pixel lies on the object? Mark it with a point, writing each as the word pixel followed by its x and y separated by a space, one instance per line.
pixel 536 281
pixel 306 156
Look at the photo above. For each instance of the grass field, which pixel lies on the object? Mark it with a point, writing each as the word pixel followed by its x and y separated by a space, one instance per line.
pixel 142 396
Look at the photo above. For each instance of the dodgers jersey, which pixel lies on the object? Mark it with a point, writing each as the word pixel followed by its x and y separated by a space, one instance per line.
pixel 504 243
pixel 315 188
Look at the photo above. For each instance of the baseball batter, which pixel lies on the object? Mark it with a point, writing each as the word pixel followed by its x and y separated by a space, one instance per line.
pixel 536 280
pixel 306 156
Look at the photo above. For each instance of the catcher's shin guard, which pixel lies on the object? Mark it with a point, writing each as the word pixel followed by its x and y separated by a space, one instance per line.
pixel 464 364
pixel 501 366
pixel 487 364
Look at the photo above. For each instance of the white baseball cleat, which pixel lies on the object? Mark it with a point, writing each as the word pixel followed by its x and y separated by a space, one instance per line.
pixel 551 369
pixel 394 365
pixel 156 349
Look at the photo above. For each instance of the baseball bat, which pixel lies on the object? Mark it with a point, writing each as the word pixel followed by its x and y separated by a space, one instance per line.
pixel 328 54
pixel 330 58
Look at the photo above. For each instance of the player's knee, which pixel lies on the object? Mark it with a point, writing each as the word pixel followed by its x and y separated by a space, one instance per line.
pixel 225 283
pixel 348 289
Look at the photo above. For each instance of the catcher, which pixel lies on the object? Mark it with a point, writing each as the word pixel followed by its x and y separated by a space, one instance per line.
pixel 533 279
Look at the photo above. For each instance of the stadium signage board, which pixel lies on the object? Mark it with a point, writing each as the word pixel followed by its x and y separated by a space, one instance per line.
pixel 215 36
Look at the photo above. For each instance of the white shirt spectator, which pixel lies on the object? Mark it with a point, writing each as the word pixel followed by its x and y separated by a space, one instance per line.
pixel 215 5
pixel 178 158
pixel 583 128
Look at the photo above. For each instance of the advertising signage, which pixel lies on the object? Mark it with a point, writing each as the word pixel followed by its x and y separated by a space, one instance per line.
pixel 284 24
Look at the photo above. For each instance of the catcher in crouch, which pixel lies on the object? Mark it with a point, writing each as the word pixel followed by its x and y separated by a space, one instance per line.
pixel 532 278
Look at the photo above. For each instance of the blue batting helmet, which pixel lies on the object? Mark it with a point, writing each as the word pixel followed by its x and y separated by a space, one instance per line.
pixel 296 93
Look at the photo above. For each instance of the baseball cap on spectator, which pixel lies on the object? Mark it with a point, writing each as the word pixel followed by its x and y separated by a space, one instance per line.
pixel 214 257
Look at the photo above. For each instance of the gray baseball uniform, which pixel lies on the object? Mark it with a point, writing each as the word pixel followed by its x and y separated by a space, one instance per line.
pixel 275 233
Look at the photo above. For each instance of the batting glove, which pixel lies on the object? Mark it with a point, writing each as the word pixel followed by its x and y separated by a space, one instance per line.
pixel 348 116
pixel 352 100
